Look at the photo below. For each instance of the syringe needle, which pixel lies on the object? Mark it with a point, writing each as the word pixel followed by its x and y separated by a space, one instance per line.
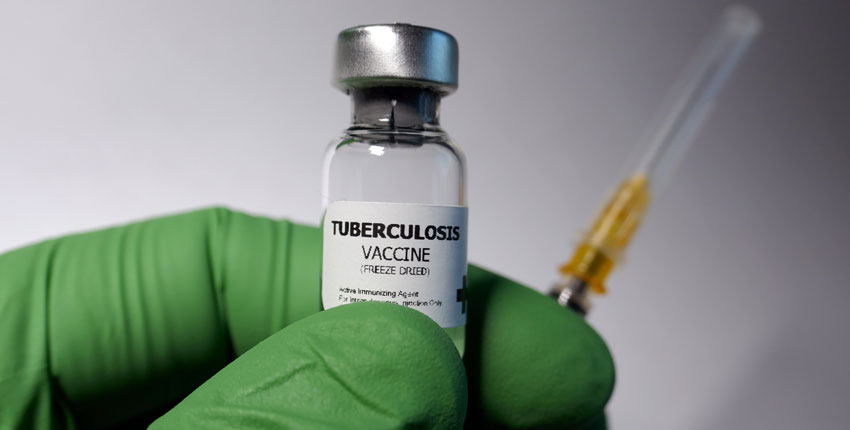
pixel 683 113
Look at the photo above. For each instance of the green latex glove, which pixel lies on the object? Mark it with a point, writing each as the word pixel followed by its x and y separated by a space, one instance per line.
pixel 116 327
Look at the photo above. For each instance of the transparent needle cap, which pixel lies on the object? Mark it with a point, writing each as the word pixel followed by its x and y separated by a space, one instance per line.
pixel 692 97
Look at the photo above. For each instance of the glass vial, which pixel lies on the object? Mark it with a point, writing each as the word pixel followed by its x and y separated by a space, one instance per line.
pixel 394 197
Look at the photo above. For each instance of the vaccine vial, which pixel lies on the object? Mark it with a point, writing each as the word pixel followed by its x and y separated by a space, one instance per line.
pixel 394 184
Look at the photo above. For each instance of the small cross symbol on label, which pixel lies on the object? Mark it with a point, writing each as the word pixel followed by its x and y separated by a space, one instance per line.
pixel 462 295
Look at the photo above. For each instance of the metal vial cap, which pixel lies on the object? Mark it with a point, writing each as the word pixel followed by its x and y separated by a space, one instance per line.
pixel 396 55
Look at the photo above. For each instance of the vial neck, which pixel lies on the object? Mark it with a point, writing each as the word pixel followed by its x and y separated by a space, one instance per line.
pixel 395 107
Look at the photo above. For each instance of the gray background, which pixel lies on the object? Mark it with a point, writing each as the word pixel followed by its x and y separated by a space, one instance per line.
pixel 731 311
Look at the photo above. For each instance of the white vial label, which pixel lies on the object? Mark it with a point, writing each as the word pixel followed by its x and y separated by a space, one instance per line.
pixel 409 254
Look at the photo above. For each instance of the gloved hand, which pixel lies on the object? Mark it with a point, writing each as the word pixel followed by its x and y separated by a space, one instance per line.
pixel 115 327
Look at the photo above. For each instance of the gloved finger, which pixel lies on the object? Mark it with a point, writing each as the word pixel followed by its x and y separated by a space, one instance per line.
pixel 531 363
pixel 360 366
pixel 102 327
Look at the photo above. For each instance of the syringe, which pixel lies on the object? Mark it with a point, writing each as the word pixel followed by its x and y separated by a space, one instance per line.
pixel 685 110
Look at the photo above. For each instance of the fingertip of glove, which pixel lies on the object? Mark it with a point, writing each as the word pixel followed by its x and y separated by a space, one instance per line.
pixel 531 363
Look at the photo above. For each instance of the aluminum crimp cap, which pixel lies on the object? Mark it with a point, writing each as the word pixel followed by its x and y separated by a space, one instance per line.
pixel 396 55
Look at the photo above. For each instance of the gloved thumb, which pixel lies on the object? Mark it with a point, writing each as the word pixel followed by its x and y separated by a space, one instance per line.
pixel 364 365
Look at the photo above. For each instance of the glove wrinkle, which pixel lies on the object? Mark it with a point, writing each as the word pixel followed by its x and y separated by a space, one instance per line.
pixel 26 388
pixel 216 242
pixel 334 375
pixel 279 381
